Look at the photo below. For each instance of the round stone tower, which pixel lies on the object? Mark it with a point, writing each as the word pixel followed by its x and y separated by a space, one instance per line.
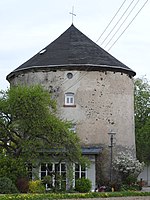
pixel 92 89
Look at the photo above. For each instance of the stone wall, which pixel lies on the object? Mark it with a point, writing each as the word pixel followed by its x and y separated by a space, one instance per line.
pixel 104 101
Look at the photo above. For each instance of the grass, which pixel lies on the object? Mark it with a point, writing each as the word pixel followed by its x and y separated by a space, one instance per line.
pixel 50 196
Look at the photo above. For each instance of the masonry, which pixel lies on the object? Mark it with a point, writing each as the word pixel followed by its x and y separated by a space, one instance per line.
pixel 92 89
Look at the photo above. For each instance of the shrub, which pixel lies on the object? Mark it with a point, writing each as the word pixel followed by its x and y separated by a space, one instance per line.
pixel 9 165
pixel 83 185
pixel 23 184
pixel 47 180
pixel 7 186
pixel 127 165
pixel 131 179
pixel 134 187
pixel 36 186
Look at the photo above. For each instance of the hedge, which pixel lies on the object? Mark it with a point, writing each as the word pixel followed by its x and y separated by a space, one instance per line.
pixel 50 196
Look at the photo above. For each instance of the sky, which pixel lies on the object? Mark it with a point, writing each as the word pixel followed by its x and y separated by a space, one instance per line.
pixel 27 26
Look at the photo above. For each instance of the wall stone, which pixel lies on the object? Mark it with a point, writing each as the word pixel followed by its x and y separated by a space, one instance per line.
pixel 104 101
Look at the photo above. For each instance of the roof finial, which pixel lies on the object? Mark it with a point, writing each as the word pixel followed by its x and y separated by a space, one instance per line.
pixel 72 13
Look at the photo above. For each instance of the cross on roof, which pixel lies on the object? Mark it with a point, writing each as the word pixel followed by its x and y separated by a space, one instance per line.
pixel 72 13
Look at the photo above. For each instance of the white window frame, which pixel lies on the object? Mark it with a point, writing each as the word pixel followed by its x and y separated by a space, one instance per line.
pixel 69 99
pixel 80 172
pixel 60 172
pixel 73 128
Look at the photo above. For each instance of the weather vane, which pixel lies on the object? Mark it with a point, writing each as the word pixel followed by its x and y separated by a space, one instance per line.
pixel 72 13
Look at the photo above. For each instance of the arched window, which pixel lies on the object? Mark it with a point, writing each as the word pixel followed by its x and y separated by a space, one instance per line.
pixel 69 99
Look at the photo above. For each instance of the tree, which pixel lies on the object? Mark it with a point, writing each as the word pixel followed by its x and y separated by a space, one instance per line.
pixel 142 119
pixel 29 127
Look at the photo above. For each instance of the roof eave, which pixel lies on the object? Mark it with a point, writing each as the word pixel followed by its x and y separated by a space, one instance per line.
pixel 89 67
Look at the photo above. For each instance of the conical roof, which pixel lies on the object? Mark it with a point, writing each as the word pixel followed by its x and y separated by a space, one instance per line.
pixel 73 50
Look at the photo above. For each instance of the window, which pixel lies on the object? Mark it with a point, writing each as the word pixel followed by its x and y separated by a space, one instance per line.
pixel 29 169
pixel 73 128
pixel 80 171
pixel 69 75
pixel 57 172
pixel 69 99
pixel 46 169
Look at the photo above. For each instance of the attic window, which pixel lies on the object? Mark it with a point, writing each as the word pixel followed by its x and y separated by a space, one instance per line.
pixel 42 51
pixel 69 100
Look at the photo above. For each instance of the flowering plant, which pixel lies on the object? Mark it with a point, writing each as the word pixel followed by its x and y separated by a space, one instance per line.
pixel 125 164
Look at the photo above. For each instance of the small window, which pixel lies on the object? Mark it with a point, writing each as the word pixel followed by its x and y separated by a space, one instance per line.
pixel 69 99
pixel 69 75
pixel 73 128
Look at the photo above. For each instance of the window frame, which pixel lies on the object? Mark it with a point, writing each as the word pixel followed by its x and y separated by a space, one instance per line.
pixel 54 170
pixel 69 99
pixel 81 170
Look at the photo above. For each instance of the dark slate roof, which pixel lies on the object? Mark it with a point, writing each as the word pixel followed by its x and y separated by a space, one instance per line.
pixel 73 50
pixel 91 150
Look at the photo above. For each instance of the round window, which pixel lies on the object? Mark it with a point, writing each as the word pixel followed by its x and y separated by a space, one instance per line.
pixel 69 75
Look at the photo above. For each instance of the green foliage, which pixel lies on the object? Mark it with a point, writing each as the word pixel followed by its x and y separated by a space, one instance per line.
pixel 36 186
pixel 12 168
pixel 29 126
pixel 47 180
pixel 142 119
pixel 7 186
pixel 83 185
pixel 131 179
pixel 52 196
pixel 133 187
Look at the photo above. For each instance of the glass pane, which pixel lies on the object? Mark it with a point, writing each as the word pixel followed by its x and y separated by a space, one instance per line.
pixel 49 167
pixel 76 175
pixel 67 99
pixel 83 168
pixel 43 174
pixel 82 174
pixel 49 186
pixel 63 167
pixel 57 184
pixel 63 185
pixel 43 167
pixel 63 175
pixel 30 175
pixel 57 167
pixel 30 167
pixel 77 167
pixel 71 100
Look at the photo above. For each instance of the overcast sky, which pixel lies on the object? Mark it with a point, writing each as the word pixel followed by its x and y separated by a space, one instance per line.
pixel 27 26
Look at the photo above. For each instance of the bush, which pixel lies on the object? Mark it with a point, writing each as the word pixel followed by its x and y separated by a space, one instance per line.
pixel 36 186
pixel 130 179
pixel 9 165
pixel 83 185
pixel 134 187
pixel 127 165
pixel 7 186
pixel 23 184
pixel 47 180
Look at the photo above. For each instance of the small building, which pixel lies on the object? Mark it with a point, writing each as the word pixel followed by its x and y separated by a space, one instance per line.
pixel 93 89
